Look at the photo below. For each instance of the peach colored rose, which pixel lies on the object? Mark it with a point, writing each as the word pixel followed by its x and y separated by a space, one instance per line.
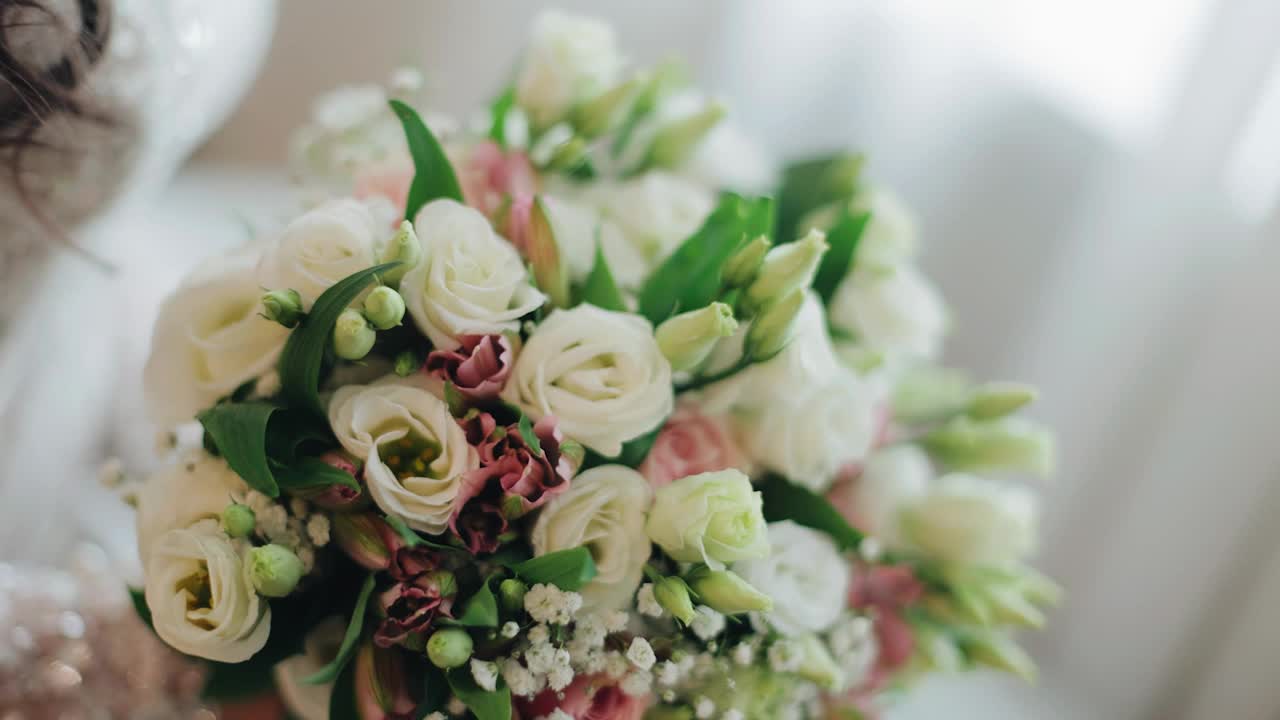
pixel 489 175
pixel 589 697
pixel 691 443
pixel 389 179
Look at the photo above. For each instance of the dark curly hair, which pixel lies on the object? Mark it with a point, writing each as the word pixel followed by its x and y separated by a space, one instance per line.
pixel 36 90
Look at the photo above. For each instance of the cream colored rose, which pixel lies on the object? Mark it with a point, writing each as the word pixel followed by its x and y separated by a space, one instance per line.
pixel 972 520
pixel 600 373
pixel 603 510
pixel 201 599
pixel 570 59
pixel 209 339
pixel 320 248
pixel 196 487
pixel 415 453
pixel 713 518
pixel 655 212
pixel 579 229
pixel 469 282
pixel 805 575
pixel 892 309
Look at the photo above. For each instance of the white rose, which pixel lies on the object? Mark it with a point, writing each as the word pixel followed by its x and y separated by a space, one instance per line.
pixel 892 479
pixel 973 520
pixel 208 340
pixel 569 59
pixel 802 414
pixel 656 211
pixel 201 599
pixel 179 495
pixel 713 517
pixel 891 308
pixel 469 281
pixel 578 229
pixel 320 248
pixel 806 576
pixel 729 159
pixel 415 453
pixel 604 510
pixel 600 373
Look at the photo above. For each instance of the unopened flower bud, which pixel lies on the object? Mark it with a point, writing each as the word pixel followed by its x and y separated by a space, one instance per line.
pixel 725 592
pixel 996 400
pixel 673 595
pixel 817 665
pixel 787 268
pixel 363 537
pixel 404 248
pixel 743 266
pixel 1008 444
pixel 449 648
pixel 353 337
pixel 384 308
pixel 688 338
pixel 676 142
pixel 282 306
pixel 444 581
pixel 511 592
pixel 407 363
pixel 275 570
pixel 998 651
pixel 568 155
pixel 600 114
pixel 238 520
pixel 773 329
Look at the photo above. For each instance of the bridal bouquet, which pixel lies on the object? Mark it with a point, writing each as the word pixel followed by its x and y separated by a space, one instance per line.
pixel 555 415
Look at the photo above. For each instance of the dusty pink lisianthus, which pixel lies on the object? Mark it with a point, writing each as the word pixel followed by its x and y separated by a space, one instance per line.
pixel 489 175
pixel 588 697
pixel 410 607
pixel 479 368
pixel 887 590
pixel 388 179
pixel 691 443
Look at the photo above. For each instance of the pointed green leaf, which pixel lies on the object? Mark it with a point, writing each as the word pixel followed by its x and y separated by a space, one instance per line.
pixel 484 704
pixel 481 609
pixel 433 174
pixel 600 289
pixel 814 183
pixel 304 352
pixel 239 430
pixel 498 113
pixel 313 473
pixel 842 242
pixel 342 699
pixel 526 433
pixel 784 500
pixel 566 569
pixel 331 671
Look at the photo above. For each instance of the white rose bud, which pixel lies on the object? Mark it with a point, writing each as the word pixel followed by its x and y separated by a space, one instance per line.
pixel 675 143
pixel 743 266
pixel 470 280
pixel 774 328
pixel 209 339
pixel 353 338
pixel 320 248
pixel 600 373
pixel 725 592
pixel 714 517
pixel 201 599
pixel 570 59
pixel 806 576
pixel 415 454
pixel 274 570
pixel 384 308
pixel 1008 444
pixel 688 338
pixel 787 268
pixel 404 248
pixel 603 510
pixel 282 306
pixel 971 520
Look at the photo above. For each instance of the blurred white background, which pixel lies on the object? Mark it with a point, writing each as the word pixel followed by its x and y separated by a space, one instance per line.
pixel 1096 182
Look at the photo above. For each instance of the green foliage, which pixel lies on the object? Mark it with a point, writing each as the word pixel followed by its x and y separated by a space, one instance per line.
pixel 481 610
pixel 433 176
pixel 485 705
pixel 600 289
pixel 842 240
pixel 784 500
pixel 566 569
pixel 348 647
pixel 812 184
pixel 239 431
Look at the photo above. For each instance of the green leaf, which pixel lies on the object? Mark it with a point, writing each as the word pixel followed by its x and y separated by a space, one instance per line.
pixel 566 569
pixel 691 276
pixel 237 681
pixel 347 648
pixel 814 183
pixel 289 432
pixel 498 115
pixel 304 352
pixel 435 692
pixel 433 176
pixel 528 435
pixel 784 500
pixel 842 240
pixel 239 430
pixel 342 700
pixel 633 451
pixel 600 289
pixel 309 473
pixel 481 609
pixel 485 705
pixel 140 606
pixel 413 539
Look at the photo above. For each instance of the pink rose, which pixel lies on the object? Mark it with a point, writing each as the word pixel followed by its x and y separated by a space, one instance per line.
pixel 588 697
pixel 887 590
pixel 518 223
pixel 691 443
pixel 479 368
pixel 489 176
pixel 388 179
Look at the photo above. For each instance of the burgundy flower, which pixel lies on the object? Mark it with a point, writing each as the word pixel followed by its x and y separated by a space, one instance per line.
pixel 410 607
pixel 478 426
pixel 479 368
pixel 522 477
pixel 408 563
pixel 480 525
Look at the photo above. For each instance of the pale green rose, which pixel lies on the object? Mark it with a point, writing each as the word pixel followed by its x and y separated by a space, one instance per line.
pixel 714 517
